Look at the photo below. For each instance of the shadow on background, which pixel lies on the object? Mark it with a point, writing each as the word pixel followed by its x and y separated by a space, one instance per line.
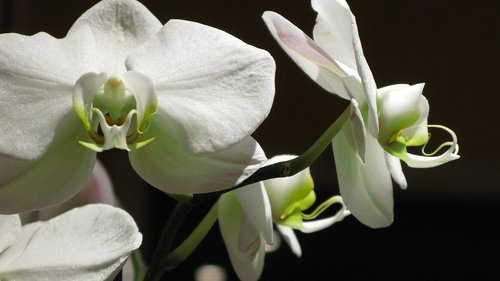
pixel 445 225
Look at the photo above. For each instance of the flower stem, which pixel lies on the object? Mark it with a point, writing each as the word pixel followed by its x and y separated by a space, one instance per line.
pixel 185 249
pixel 159 262
pixel 139 265
pixel 290 167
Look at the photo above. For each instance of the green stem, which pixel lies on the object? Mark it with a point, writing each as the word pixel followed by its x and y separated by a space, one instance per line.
pixel 187 247
pixel 287 168
pixel 139 265
pixel 159 262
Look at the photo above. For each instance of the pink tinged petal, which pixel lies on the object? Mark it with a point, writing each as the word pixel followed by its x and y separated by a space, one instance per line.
pixel 168 164
pixel 88 243
pixel 291 239
pixel 37 74
pixel 255 203
pixel 394 165
pixel 313 60
pixel 118 26
pixel 10 226
pixel 248 265
pixel 214 87
pixel 365 188
pixel 54 178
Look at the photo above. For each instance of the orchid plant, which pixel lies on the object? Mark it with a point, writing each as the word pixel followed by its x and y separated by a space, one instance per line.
pixel 172 96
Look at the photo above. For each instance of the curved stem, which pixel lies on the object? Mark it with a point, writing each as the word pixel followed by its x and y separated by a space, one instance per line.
pixel 159 262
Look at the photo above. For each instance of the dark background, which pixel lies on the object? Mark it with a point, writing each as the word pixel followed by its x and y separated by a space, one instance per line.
pixel 445 223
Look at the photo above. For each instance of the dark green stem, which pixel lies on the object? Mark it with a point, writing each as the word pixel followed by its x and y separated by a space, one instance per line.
pixel 159 263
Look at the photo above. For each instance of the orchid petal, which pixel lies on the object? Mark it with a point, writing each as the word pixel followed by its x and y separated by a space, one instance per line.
pixel 205 94
pixel 333 31
pixel 394 165
pixel 418 134
pixel 10 226
pixel 368 82
pixel 88 243
pixel 310 57
pixel 336 32
pixel 118 26
pixel 55 177
pixel 291 239
pixel 399 109
pixel 248 265
pixel 255 203
pixel 37 74
pixel 169 165
pixel 144 92
pixel 357 133
pixel 365 188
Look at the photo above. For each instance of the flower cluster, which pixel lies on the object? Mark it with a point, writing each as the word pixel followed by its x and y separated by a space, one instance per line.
pixel 183 99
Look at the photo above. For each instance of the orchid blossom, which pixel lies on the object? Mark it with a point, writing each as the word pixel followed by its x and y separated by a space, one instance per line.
pixel 87 243
pixel 182 98
pixel 383 122
pixel 246 216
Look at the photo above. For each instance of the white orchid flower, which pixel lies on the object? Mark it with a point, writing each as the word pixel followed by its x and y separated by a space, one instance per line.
pixel 87 243
pixel 395 116
pixel 186 94
pixel 246 217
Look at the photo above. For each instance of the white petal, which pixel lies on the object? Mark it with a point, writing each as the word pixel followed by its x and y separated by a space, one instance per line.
pixel 118 26
pixel 53 179
pixel 291 239
pixel 356 133
pixel 365 188
pixel 145 97
pixel 399 109
pixel 37 74
pixel 333 30
pixel 215 87
pixel 336 32
pixel 248 265
pixel 88 243
pixel 418 134
pixel 394 165
pixel 169 165
pixel 368 82
pixel 314 61
pixel 10 226
pixel 255 203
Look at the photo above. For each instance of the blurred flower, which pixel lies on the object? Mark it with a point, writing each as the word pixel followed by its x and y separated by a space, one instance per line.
pixel 174 91
pixel 394 116
pixel 87 243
